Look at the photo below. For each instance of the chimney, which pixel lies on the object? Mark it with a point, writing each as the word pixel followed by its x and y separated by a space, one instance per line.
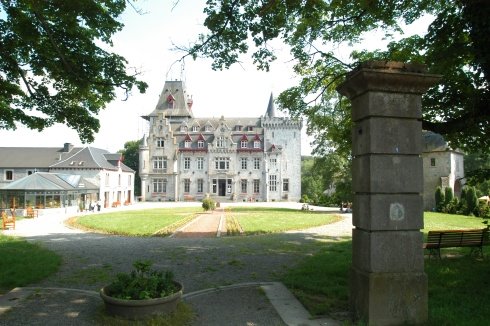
pixel 67 147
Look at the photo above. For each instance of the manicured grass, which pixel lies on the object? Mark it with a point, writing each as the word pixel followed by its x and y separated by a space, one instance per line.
pixel 257 220
pixel 139 222
pixel 441 221
pixel 458 284
pixel 23 263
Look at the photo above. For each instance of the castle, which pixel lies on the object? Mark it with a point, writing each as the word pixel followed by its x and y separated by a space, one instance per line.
pixel 227 159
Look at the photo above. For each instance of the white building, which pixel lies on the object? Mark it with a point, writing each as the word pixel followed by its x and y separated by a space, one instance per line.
pixel 105 177
pixel 443 167
pixel 229 159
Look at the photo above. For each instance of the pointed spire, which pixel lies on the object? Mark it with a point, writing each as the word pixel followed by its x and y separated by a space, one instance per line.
pixel 271 109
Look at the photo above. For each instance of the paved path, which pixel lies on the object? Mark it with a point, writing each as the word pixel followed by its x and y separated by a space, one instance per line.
pixel 210 224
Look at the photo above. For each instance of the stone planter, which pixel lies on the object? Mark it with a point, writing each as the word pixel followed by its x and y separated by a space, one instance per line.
pixel 141 309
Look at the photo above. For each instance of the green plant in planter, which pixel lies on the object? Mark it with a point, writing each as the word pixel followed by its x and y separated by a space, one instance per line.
pixel 142 283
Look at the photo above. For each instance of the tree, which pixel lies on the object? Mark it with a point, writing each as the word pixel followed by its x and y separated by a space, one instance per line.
pixel 439 198
pixel 131 159
pixel 55 65
pixel 455 46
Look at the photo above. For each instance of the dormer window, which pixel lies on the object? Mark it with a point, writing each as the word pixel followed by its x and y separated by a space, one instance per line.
pixel 207 128
pixel 187 144
pixel 238 128
pixel 256 144
pixel 170 101
pixel 195 128
pixel 183 128
pixel 243 144
pixel 250 128
pixel 200 144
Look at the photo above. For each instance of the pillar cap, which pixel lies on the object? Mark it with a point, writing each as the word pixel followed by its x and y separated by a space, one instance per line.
pixel 387 76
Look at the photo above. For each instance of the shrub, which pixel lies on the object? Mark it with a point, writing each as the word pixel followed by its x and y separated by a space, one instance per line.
pixel 472 201
pixel 439 196
pixel 483 210
pixel 208 204
pixel 142 283
pixel 448 195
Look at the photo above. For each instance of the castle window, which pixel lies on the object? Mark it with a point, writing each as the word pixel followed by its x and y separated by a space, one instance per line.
pixel 433 162
pixel 187 144
pixel 200 163
pixel 187 163
pixel 244 163
pixel 220 143
pixel 256 186
pixel 159 185
pixel 183 128
pixel 200 185
pixel 195 128
pixel 207 128
pixel 200 144
pixel 256 163
pixel 250 128
pixel 243 184
pixel 160 164
pixel 273 162
pixel 285 185
pixel 256 144
pixel 187 185
pixel 222 163
pixel 160 142
pixel 243 144
pixel 272 183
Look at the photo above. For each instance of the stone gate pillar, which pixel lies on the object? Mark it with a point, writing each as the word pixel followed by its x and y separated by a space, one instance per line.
pixel 388 282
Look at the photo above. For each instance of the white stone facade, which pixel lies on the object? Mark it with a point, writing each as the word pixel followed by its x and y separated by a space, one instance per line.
pixel 228 159
pixel 443 167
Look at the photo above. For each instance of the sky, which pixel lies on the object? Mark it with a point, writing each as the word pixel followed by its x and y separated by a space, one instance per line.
pixel 148 42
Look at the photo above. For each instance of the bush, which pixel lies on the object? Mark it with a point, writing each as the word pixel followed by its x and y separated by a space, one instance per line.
pixel 448 195
pixel 142 283
pixel 208 204
pixel 483 210
pixel 472 201
pixel 439 196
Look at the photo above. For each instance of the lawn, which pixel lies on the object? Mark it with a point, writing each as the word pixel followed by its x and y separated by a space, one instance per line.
pixel 23 263
pixel 255 220
pixel 144 222
pixel 458 293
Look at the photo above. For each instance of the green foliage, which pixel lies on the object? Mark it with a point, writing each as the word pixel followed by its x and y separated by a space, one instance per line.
pixel 455 45
pixel 471 200
pixel 331 172
pixel 448 195
pixel 440 199
pixel 56 67
pixel 24 263
pixel 142 283
pixel 208 204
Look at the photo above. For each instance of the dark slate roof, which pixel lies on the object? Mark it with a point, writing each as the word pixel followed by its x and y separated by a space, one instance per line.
pixel 173 91
pixel 271 109
pixel 433 142
pixel 46 181
pixel 91 158
pixel 56 157
pixel 31 157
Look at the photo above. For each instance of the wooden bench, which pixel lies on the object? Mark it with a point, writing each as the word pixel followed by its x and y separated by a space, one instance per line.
pixel 8 222
pixel 472 238
pixel 31 212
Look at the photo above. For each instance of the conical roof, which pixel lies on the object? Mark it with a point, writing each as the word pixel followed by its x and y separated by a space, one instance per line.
pixel 271 109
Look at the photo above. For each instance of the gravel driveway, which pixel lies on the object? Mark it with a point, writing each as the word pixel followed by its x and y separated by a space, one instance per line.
pixel 90 260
